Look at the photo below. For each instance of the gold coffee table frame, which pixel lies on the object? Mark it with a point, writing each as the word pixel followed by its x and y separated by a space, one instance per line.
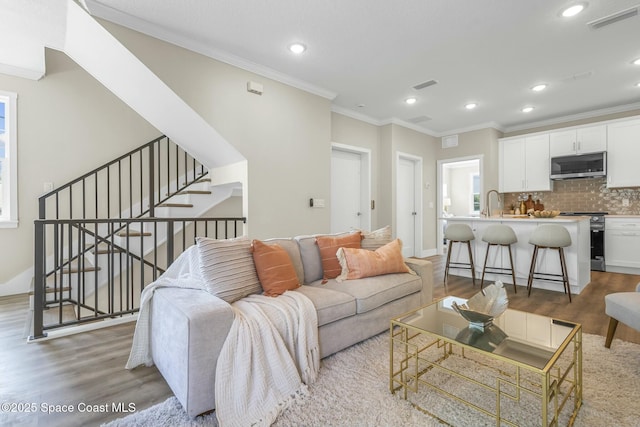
pixel 534 369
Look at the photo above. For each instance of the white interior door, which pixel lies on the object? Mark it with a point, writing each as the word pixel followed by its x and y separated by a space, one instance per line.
pixel 406 205
pixel 346 191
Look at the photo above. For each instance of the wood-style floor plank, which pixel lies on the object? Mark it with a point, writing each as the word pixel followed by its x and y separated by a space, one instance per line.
pixel 89 367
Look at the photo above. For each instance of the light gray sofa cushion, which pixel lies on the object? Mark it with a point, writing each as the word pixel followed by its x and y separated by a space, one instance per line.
pixel 373 292
pixel 311 259
pixel 330 305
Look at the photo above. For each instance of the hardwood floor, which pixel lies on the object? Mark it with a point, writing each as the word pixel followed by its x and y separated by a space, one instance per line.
pixel 88 368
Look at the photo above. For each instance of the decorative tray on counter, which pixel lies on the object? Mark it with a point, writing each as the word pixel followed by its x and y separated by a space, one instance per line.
pixel 546 214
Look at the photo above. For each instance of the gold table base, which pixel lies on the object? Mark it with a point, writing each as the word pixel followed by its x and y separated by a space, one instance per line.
pixel 416 355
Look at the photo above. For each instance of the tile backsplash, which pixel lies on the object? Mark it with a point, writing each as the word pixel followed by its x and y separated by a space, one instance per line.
pixel 583 195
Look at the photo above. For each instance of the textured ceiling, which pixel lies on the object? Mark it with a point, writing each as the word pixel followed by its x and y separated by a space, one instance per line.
pixel 372 53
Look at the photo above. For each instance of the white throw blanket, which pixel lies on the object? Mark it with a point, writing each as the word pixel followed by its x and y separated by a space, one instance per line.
pixel 269 355
pixel 271 349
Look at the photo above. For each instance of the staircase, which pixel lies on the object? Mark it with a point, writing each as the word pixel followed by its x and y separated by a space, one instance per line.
pixel 104 236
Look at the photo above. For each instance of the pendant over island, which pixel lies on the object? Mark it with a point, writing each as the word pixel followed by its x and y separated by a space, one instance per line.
pixel 578 255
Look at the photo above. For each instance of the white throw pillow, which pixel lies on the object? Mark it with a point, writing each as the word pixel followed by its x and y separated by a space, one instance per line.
pixel 227 268
pixel 373 240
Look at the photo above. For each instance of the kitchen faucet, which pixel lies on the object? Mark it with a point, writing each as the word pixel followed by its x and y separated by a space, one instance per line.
pixel 488 208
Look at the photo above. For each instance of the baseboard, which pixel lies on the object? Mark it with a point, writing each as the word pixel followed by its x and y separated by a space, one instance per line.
pixel 20 284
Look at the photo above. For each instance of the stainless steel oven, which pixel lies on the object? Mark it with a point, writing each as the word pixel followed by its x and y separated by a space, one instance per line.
pixel 597 237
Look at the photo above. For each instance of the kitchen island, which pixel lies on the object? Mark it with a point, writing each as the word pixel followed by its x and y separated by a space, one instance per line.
pixel 578 255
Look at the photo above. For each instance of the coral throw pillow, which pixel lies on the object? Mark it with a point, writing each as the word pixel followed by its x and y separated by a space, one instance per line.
pixel 274 267
pixel 361 263
pixel 329 245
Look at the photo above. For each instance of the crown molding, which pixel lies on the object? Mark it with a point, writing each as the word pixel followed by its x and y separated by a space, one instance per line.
pixel 355 115
pixel 481 126
pixel 572 117
pixel 110 14
pixel 409 125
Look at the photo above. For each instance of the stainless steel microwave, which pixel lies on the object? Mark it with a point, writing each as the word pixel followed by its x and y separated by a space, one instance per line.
pixel 579 166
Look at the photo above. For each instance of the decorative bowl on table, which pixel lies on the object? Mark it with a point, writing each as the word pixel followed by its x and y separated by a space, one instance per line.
pixel 483 307
pixel 546 214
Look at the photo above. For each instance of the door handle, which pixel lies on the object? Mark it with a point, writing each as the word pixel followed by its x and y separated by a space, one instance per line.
pixel 358 213
pixel 414 213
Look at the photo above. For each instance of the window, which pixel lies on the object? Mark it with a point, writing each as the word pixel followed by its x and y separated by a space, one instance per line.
pixel 8 161
pixel 475 194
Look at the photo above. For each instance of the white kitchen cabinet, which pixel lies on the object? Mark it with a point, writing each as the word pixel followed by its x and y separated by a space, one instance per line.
pixel 524 164
pixel 623 152
pixel 585 140
pixel 622 245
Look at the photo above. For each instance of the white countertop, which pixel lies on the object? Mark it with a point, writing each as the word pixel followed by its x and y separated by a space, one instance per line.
pixel 517 218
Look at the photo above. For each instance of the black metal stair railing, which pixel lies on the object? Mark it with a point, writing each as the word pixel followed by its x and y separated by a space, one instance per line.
pixel 130 186
pixel 78 299
pixel 98 240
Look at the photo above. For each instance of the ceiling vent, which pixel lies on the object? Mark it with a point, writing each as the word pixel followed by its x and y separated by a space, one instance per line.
pixel 577 76
pixel 611 19
pixel 425 84
pixel 449 141
pixel 419 119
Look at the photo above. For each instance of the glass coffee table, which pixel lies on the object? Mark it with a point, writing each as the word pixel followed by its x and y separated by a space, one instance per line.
pixel 524 369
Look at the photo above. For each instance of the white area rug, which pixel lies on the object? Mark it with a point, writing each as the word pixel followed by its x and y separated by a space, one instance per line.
pixel 353 390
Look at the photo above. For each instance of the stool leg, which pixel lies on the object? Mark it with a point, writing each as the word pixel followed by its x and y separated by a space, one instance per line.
pixel 532 269
pixel 484 268
pixel 473 269
pixel 613 324
pixel 446 268
pixel 565 276
pixel 513 271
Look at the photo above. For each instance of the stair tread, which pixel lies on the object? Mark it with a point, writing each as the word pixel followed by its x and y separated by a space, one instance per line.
pixel 49 290
pixel 78 270
pixel 191 192
pixel 107 251
pixel 133 233
pixel 197 181
pixel 176 205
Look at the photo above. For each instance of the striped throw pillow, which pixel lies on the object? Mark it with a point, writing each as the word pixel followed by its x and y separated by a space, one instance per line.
pixel 227 268
pixel 375 239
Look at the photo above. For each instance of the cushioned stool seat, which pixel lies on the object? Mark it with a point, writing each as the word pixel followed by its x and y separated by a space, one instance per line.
pixel 499 235
pixel 550 236
pixel 622 307
pixel 459 233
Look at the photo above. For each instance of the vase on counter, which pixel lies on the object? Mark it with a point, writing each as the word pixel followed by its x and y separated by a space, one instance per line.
pixel 529 204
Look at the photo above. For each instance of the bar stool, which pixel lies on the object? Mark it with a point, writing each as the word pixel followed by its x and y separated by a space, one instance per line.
pixel 459 233
pixel 550 236
pixel 499 235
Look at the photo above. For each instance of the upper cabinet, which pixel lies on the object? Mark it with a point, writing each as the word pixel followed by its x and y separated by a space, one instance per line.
pixel 584 140
pixel 524 164
pixel 623 141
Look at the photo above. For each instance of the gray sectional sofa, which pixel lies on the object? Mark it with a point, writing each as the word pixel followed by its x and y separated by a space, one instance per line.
pixel 189 326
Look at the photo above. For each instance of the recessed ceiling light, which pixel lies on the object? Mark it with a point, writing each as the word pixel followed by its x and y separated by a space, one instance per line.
pixel 573 10
pixel 471 106
pixel 638 84
pixel 527 109
pixel 297 48
pixel 636 62
pixel 412 100
pixel 538 88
